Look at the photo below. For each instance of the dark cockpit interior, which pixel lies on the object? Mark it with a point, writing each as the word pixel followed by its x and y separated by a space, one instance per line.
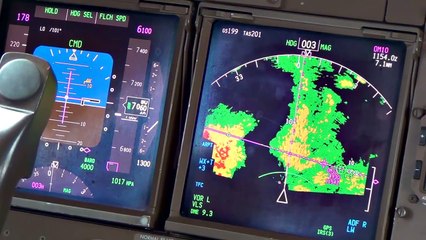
pixel 216 119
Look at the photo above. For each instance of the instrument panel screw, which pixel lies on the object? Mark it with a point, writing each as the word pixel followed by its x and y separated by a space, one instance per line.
pixel 401 212
pixel 6 233
pixel 413 198
pixel 418 113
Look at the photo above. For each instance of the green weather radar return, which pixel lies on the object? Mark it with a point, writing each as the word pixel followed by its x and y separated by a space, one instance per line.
pixel 306 146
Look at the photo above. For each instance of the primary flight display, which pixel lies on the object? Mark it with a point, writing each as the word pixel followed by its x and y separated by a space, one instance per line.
pixel 104 133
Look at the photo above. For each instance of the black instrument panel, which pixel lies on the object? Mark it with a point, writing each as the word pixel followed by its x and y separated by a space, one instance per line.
pixel 107 153
pixel 294 127
pixel 110 132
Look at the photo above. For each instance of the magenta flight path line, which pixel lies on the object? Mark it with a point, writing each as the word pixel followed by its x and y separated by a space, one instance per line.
pixel 323 163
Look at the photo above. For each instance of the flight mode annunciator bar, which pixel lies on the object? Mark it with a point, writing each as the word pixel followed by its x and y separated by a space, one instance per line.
pixel 75 15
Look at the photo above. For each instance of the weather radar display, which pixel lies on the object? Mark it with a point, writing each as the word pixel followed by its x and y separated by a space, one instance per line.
pixel 293 131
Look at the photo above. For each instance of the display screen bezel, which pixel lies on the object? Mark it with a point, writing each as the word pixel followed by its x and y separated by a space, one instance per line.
pixel 168 139
pixel 208 15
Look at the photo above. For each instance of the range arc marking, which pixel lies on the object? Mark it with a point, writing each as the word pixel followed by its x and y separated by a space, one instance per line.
pixel 234 70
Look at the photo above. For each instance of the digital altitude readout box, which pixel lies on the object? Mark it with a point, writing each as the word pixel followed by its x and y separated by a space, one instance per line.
pixel 112 128
pixel 294 127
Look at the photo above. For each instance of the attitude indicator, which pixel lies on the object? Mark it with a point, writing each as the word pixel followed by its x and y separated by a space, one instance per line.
pixel 83 85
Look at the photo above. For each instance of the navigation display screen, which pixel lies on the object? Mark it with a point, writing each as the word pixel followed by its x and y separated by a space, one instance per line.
pixel 100 145
pixel 293 131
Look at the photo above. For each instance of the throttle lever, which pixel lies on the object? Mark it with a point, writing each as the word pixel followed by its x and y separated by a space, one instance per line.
pixel 27 93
